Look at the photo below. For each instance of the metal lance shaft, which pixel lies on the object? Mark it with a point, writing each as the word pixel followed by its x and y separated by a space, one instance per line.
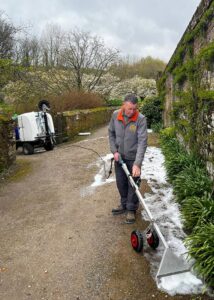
pixel 170 263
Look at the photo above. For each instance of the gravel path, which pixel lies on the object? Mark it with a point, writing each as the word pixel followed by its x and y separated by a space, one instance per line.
pixel 60 241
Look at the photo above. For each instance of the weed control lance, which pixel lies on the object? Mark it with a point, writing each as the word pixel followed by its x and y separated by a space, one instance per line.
pixel 170 263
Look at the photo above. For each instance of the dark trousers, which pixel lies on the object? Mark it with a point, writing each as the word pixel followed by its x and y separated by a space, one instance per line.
pixel 128 197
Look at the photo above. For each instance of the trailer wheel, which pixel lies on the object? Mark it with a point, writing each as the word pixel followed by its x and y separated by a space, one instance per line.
pixel 137 240
pixel 28 149
pixel 152 239
pixel 49 146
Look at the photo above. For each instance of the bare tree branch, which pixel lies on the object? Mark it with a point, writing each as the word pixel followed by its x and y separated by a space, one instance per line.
pixel 84 53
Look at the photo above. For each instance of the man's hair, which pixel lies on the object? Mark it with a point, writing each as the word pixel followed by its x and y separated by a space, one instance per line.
pixel 131 98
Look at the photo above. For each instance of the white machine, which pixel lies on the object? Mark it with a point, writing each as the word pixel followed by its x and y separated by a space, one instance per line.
pixel 35 129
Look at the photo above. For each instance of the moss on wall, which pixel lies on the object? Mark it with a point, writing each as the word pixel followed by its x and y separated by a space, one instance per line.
pixel 7 145
pixel 191 93
pixel 70 123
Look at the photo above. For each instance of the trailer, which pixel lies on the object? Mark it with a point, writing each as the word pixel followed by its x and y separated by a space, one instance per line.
pixel 35 129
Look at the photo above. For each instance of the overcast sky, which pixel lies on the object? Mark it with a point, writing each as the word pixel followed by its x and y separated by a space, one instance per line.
pixel 136 27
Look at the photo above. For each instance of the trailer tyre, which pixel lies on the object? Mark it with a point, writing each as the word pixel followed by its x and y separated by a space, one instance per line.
pixel 28 149
pixel 48 146
pixel 137 240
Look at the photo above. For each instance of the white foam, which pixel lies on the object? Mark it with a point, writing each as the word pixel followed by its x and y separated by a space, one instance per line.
pixel 167 215
pixel 166 212
pixel 104 164
pixel 185 283
pixel 100 180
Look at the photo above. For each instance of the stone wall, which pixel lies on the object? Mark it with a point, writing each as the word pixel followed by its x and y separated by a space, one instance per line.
pixel 187 85
pixel 7 145
pixel 69 124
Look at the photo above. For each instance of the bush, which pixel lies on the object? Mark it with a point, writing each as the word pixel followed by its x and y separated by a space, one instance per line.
pixel 168 133
pixel 169 144
pixel 157 127
pixel 200 245
pixel 168 140
pixel 170 148
pixel 76 100
pixel 65 102
pixel 197 211
pixel 177 159
pixel 115 102
pixel 177 163
pixel 192 185
pixel 151 108
pixel 6 112
pixel 192 181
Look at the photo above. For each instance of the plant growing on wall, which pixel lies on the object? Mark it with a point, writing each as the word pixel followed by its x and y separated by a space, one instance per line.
pixel 193 91
pixel 194 192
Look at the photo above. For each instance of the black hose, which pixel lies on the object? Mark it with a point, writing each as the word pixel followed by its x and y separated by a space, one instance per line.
pixel 92 150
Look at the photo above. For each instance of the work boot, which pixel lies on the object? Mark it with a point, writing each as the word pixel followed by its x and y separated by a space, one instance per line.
pixel 119 210
pixel 130 217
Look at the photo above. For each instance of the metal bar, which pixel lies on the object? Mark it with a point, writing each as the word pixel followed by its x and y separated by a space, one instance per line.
pixel 140 197
pixel 170 263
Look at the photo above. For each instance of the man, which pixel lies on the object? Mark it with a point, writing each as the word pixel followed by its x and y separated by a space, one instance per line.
pixel 128 139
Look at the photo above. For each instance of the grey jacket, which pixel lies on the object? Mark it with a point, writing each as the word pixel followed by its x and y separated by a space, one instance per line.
pixel 130 139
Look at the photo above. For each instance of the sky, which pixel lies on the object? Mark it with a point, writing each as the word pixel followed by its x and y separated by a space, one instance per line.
pixel 135 27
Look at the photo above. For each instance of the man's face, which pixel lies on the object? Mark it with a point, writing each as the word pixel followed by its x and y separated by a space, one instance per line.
pixel 129 108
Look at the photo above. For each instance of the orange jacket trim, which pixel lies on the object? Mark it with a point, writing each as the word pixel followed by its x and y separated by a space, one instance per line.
pixel 132 119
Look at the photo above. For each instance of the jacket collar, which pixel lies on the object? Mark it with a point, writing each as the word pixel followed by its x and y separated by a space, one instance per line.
pixel 120 116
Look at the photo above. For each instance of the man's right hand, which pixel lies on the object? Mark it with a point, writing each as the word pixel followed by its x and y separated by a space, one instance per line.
pixel 116 156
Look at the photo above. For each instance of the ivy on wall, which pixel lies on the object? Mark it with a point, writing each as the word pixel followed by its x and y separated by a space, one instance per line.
pixel 193 99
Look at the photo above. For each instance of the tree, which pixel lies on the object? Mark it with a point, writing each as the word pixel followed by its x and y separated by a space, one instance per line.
pixel 87 54
pixel 51 41
pixel 27 51
pixel 7 35
pixel 147 67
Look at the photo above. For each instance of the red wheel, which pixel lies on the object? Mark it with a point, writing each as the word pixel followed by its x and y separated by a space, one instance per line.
pixel 137 240
pixel 152 239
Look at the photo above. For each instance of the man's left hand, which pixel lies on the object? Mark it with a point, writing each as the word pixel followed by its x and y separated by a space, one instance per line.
pixel 135 171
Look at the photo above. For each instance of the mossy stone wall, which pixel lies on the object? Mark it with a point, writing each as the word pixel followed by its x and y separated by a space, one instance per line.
pixel 187 86
pixel 7 145
pixel 70 123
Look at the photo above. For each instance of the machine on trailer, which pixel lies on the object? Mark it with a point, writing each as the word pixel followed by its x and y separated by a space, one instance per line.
pixel 170 263
pixel 35 129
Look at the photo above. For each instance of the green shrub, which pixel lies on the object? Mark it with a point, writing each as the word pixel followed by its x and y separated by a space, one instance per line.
pixel 151 108
pixel 169 144
pixel 192 185
pixel 6 112
pixel 170 148
pixel 115 102
pixel 76 100
pixel 157 127
pixel 177 163
pixel 192 181
pixel 197 211
pixel 177 158
pixel 201 247
pixel 167 133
